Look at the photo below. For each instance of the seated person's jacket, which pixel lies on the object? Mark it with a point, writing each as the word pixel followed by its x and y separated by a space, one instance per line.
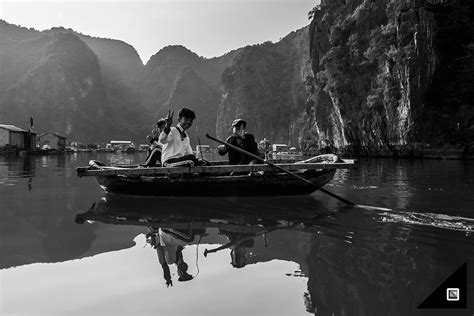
pixel 247 143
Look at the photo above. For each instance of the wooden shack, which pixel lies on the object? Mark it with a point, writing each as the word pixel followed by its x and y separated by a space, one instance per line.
pixel 52 141
pixel 14 136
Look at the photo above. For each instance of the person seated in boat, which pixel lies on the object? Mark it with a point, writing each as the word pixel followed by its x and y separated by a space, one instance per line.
pixel 243 140
pixel 153 158
pixel 177 150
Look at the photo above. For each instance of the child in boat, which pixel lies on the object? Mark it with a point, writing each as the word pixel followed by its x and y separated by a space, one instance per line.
pixel 177 150
pixel 240 139
pixel 153 158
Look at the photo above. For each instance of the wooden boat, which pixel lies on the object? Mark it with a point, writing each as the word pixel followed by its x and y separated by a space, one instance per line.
pixel 216 179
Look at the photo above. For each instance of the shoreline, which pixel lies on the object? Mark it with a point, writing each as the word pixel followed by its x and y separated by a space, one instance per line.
pixel 413 152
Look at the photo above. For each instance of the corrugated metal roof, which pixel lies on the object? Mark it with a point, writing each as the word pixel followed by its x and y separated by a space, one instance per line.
pixel 12 128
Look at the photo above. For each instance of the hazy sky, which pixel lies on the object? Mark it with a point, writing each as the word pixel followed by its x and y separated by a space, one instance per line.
pixel 207 27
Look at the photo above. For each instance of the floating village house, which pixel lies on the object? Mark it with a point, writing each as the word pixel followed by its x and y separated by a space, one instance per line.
pixel 11 135
pixel 52 141
pixel 121 145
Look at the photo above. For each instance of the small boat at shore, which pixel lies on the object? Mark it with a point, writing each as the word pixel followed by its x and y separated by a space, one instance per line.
pixel 217 179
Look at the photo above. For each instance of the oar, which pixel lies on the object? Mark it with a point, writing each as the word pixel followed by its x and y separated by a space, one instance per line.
pixel 280 168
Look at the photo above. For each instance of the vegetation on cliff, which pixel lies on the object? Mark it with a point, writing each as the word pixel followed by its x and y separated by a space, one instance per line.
pixel 385 68
pixel 375 77
pixel 265 85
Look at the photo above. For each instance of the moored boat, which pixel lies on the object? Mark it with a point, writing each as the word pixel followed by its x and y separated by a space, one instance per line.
pixel 217 179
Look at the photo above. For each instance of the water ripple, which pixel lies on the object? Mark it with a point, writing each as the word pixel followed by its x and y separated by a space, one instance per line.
pixel 430 219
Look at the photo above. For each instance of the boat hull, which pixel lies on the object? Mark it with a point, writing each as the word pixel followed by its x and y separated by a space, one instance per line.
pixel 198 185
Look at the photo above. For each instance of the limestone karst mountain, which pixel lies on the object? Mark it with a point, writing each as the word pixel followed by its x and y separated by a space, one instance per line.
pixel 392 77
pixel 266 86
pixel 189 89
pixel 55 77
pixel 379 77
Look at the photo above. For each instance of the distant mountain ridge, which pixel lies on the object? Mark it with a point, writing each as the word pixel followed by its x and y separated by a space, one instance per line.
pixel 162 70
pixel 364 78
pixel 264 84
pixel 56 74
pixel 128 96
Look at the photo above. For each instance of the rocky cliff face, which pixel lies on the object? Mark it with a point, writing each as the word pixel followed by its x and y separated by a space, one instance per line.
pixel 190 90
pixel 161 71
pixel 56 78
pixel 120 66
pixel 87 82
pixel 64 84
pixel 391 77
pixel 367 77
pixel 266 86
pixel 118 60
pixel 175 77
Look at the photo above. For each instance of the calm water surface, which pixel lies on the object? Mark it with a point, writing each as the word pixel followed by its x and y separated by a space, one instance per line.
pixel 67 248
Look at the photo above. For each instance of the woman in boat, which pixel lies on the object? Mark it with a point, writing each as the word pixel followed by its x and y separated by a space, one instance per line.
pixel 177 150
pixel 241 139
pixel 154 153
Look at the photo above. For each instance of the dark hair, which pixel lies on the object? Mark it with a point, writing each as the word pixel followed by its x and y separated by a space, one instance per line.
pixel 241 123
pixel 160 122
pixel 187 113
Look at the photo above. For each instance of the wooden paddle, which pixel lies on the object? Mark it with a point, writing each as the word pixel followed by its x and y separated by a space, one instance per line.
pixel 280 168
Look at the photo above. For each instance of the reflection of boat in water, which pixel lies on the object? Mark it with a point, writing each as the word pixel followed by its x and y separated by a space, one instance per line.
pixel 250 214
pixel 234 225
pixel 217 179
pixel 352 263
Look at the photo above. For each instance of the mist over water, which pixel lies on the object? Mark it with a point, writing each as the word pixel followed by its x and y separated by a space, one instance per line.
pixel 281 255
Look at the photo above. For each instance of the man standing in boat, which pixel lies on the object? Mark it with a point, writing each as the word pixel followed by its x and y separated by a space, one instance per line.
pixel 177 150
pixel 243 140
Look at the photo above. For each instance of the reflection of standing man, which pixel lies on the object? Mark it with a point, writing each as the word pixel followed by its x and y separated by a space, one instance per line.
pixel 169 248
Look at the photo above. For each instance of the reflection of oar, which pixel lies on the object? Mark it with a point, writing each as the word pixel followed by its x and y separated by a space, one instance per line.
pixel 241 240
pixel 229 244
pixel 280 168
